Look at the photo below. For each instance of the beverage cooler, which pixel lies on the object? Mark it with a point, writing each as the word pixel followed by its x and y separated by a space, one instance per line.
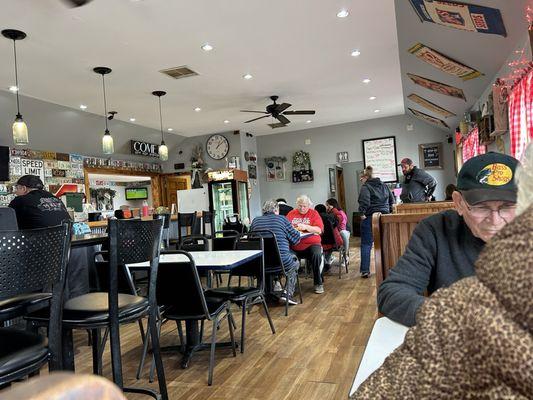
pixel 228 195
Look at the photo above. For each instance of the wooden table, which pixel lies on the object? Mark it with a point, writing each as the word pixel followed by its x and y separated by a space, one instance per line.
pixel 385 337
pixel 90 239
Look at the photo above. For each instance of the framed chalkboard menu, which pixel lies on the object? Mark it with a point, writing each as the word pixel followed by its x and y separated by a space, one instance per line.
pixel 430 155
pixel 380 154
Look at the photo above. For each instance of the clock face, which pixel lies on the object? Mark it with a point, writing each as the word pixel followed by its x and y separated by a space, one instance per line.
pixel 217 147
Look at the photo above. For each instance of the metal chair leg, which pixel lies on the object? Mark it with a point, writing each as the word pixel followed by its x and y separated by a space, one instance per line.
pixel 231 333
pixel 180 334
pixel 95 343
pixel 157 355
pixel 145 352
pixel 152 365
pixel 243 323
pixel 268 314
pixel 116 361
pixel 299 289
pixel 212 355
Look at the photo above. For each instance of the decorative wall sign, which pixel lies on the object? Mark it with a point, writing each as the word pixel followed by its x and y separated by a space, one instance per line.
pixel 303 175
pixel 61 173
pixel 444 63
pixel 252 171
pixel 430 106
pixel 301 167
pixel 275 168
pixel 468 17
pixel 429 118
pixel 430 156
pixel 32 167
pixel 380 154
pixel 342 157
pixel 438 87
pixel 144 149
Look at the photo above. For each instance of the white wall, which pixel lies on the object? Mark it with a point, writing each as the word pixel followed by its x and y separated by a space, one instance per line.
pixel 249 144
pixel 327 141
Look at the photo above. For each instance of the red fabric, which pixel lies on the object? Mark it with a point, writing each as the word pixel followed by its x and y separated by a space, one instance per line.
pixel 521 115
pixel 341 218
pixel 312 218
pixel 471 147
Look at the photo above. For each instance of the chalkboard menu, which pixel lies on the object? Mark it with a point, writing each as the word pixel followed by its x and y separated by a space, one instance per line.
pixel 430 155
pixel 380 154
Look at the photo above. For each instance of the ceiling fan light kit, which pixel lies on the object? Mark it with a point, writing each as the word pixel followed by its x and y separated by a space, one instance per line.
pixel 278 111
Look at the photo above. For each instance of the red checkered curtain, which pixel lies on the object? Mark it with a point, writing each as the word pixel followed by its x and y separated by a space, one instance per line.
pixel 521 115
pixel 471 147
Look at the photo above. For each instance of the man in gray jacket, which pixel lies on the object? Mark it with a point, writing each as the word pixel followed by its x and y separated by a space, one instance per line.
pixel 418 185
pixel 445 246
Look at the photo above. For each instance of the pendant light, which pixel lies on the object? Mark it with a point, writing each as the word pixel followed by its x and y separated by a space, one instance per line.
pixel 163 149
pixel 20 129
pixel 107 140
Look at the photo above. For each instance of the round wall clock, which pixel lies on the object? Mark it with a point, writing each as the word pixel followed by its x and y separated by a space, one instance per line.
pixel 217 146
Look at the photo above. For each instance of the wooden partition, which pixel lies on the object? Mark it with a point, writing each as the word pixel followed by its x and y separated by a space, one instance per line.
pixel 428 207
pixel 391 234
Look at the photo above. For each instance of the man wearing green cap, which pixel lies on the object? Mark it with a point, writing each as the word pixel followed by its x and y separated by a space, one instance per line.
pixel 445 246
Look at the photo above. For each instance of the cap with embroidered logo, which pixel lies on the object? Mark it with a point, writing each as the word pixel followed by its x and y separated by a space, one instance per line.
pixel 488 177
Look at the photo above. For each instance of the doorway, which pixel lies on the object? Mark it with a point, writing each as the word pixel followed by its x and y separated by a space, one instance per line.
pixel 171 184
pixel 341 197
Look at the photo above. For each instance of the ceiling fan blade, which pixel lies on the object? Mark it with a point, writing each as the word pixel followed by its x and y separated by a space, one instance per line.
pixel 283 119
pixel 300 112
pixel 277 125
pixel 282 107
pixel 255 119
pixel 76 3
pixel 260 112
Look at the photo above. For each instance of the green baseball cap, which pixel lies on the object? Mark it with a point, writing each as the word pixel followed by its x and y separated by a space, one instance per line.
pixel 488 177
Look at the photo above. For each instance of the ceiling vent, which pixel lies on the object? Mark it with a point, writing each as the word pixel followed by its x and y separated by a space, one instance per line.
pixel 179 72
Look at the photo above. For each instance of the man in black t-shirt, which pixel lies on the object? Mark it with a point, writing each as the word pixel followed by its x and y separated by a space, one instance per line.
pixel 35 207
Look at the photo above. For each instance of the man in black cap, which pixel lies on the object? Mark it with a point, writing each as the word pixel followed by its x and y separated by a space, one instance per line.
pixel 418 185
pixel 445 246
pixel 34 206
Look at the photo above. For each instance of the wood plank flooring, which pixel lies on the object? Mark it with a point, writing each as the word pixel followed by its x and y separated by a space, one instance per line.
pixel 313 355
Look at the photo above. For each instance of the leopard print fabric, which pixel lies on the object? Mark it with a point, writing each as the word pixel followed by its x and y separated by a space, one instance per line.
pixel 473 340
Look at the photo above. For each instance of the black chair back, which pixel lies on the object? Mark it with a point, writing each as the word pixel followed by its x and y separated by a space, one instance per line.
pixel 233 222
pixel 179 287
pixel 330 224
pixel 36 261
pixel 273 262
pixel 8 219
pixel 225 240
pixel 207 219
pixel 253 268
pixel 194 243
pixel 165 218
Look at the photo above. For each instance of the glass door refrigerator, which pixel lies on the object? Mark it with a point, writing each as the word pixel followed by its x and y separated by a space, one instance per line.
pixel 228 195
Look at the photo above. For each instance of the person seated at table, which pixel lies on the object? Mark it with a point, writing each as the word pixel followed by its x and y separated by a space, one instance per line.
pixel 305 219
pixel 474 339
pixel 286 235
pixel 444 247
pixel 284 208
pixel 330 238
pixel 332 206
pixel 448 192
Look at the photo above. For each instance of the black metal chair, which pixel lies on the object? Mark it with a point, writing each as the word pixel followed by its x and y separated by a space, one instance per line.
pixel 8 219
pixel 207 219
pixel 31 262
pixel 194 243
pixel 328 240
pixel 166 228
pixel 188 222
pixel 130 242
pixel 223 240
pixel 180 292
pixel 247 296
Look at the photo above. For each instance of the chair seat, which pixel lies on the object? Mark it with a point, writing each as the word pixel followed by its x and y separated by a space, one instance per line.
pixel 215 306
pixel 19 305
pixel 92 308
pixel 20 349
pixel 234 293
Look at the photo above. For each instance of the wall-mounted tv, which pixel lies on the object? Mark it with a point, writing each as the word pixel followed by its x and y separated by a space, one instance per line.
pixel 136 193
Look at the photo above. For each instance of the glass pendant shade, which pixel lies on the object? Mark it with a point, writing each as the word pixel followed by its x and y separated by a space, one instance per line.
pixel 20 131
pixel 107 143
pixel 163 151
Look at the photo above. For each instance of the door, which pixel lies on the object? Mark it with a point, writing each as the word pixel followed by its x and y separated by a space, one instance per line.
pixel 171 184
pixel 221 197
pixel 341 197
pixel 243 201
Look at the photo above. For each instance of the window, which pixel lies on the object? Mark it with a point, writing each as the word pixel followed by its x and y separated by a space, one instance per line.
pixel 521 115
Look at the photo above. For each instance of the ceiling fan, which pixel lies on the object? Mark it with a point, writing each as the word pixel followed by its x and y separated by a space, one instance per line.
pixel 278 111
pixel 76 3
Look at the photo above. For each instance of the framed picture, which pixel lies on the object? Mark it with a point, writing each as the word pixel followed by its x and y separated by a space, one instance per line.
pixel 380 154
pixel 252 171
pixel 332 185
pixel 438 87
pixel 430 156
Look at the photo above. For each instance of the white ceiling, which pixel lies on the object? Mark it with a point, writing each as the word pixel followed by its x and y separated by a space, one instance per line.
pixel 296 49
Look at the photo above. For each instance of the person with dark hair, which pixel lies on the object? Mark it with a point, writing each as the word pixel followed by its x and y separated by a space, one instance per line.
pixel 330 237
pixel 374 196
pixel 284 208
pixel 449 192
pixel 418 185
pixel 333 207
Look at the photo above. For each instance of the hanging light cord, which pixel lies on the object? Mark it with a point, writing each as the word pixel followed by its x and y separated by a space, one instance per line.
pixel 160 119
pixel 16 76
pixel 105 105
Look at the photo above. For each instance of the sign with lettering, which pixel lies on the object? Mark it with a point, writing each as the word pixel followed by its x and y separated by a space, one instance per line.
pixel 61 173
pixel 380 154
pixel 32 167
pixel 430 155
pixel 144 149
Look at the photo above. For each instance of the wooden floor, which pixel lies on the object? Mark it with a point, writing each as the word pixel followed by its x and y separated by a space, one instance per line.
pixel 313 355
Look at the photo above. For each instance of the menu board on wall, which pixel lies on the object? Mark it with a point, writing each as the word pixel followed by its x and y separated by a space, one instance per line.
pixel 430 155
pixel 380 154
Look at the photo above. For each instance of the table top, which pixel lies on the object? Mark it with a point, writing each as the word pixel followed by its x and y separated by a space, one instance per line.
pixel 214 260
pixel 89 239
pixel 385 337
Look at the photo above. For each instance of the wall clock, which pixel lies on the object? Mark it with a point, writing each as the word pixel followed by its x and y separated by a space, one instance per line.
pixel 217 146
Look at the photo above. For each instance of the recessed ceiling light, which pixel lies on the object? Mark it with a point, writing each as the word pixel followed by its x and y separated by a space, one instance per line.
pixel 343 13
pixel 356 53
pixel 376 111
pixel 197 109
pixel 247 76
pixel 207 47
pixel 366 80
pixel 226 121
pixel 13 89
pixel 83 106
pixel 308 121
pixel 132 119
pixel 372 98
pixel 170 129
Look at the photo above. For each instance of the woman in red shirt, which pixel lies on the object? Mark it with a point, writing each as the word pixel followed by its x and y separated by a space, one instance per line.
pixel 305 219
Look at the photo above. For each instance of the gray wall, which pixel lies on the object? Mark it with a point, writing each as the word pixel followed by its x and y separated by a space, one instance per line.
pixel 52 127
pixel 351 186
pixel 249 144
pixel 327 141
